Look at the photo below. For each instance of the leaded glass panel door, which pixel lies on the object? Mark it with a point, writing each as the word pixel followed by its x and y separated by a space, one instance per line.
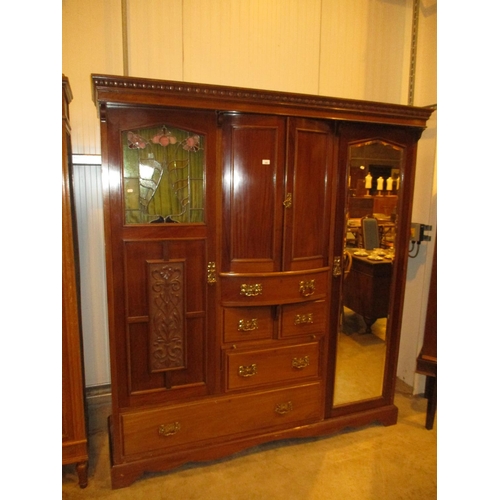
pixel 164 175
pixel 160 236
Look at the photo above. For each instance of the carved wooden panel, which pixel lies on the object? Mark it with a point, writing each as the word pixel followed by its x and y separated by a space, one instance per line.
pixel 167 316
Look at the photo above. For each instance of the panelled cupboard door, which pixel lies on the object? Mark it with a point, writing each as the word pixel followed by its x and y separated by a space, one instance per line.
pixel 308 194
pixel 160 240
pixel 253 173
pixel 277 175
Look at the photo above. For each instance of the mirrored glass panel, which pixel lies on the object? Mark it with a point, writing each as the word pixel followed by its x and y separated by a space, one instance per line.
pixel 164 176
pixel 373 185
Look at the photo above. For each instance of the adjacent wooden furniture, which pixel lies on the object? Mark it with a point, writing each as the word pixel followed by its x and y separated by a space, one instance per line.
pixel 360 206
pixel 367 206
pixel 427 359
pixel 367 288
pixel 74 434
pixel 225 221
pixel 386 205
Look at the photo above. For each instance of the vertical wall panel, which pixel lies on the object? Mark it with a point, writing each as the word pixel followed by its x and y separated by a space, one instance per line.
pixel 89 213
pixel 91 43
pixel 253 43
pixel 365 48
pixel 424 201
pixel 155 45
pixel 426 67
pixel 386 27
pixel 343 49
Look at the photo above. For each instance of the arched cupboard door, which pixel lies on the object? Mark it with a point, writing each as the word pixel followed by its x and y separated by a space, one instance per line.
pixel 377 162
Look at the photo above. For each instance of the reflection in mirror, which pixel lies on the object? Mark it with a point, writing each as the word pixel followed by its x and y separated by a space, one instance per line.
pixel 373 185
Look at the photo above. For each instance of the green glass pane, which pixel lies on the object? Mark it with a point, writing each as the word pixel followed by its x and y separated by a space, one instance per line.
pixel 164 175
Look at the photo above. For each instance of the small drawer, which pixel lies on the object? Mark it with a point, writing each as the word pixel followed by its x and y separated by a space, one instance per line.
pixel 252 368
pixel 273 288
pixel 169 428
pixel 304 319
pixel 248 323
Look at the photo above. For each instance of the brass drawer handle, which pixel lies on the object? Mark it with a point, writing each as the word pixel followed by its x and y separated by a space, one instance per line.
pixel 307 288
pixel 247 325
pixel 251 290
pixel 169 429
pixel 302 319
pixel 247 371
pixel 283 408
pixel 300 363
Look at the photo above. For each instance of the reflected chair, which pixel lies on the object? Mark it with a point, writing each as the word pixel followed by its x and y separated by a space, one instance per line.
pixel 369 228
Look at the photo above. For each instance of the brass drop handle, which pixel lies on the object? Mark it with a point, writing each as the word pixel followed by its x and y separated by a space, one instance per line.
pixel 247 371
pixel 307 287
pixel 283 408
pixel 251 290
pixel 300 363
pixel 247 325
pixel 166 430
pixel 303 319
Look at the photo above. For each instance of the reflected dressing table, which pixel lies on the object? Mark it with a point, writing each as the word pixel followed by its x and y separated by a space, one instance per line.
pixel 367 287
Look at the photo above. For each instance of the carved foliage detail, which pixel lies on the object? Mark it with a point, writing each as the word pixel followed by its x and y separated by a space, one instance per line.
pixel 167 335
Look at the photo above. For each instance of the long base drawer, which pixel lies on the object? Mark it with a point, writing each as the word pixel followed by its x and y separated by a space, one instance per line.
pixel 150 430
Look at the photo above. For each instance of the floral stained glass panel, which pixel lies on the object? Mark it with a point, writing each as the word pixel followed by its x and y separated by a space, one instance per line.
pixel 164 175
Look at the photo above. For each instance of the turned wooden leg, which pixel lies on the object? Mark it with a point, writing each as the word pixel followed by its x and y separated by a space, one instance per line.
pixel 82 471
pixel 431 395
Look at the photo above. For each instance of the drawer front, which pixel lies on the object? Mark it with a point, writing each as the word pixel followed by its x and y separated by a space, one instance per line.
pixel 273 288
pixel 147 431
pixel 248 323
pixel 303 319
pixel 257 367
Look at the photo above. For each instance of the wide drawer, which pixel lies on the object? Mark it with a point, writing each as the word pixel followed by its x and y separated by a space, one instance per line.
pixel 273 288
pixel 147 431
pixel 304 319
pixel 252 368
pixel 248 323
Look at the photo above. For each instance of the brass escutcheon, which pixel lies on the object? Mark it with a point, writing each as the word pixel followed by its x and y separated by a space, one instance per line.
pixel 247 325
pixel 337 266
pixel 307 287
pixel 288 200
pixel 211 279
pixel 169 429
pixel 247 371
pixel 251 290
pixel 300 363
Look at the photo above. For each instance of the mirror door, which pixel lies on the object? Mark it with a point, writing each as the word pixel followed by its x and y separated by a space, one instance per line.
pixel 376 163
